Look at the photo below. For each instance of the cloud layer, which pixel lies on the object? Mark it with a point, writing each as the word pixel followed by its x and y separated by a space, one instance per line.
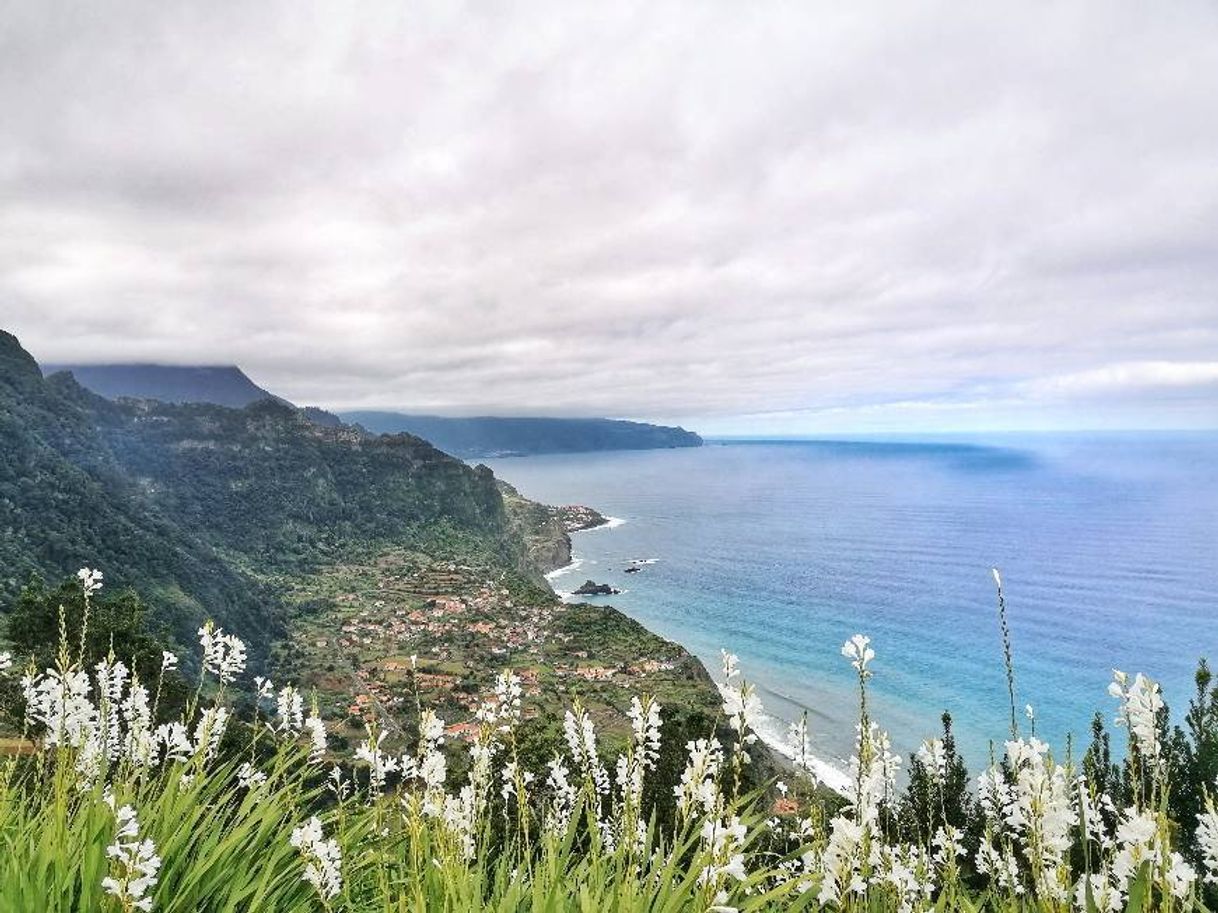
pixel 757 217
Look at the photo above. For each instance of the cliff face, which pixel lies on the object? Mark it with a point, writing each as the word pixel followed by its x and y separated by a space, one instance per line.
pixel 267 481
pixel 544 529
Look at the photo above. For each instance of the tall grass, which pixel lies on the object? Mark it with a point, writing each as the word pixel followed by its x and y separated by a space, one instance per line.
pixel 120 810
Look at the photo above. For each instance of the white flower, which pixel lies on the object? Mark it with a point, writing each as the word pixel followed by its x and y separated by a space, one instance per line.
pixel 135 863
pixel 1180 876
pixel 209 731
pixel 698 791
pixel 169 661
pixel 743 710
pixel 873 770
pixel 317 738
pixel 934 758
pixel 460 814
pixel 61 702
pixel 431 765
pixel 250 777
pixel 90 580
pixel 723 840
pixel 1031 804
pixel 908 870
pixel 381 764
pixel 6 662
pixel 175 740
pixel 563 797
pixel 508 693
pixel 110 677
pixel 337 785
pixel 223 654
pixel 1141 703
pixel 841 861
pixel 645 723
pixel 797 733
pixel 948 845
pixel 290 706
pixel 731 664
pixel 511 770
pixel 643 753
pixel 323 858
pixel 1207 842
pixel 139 745
pixel 1106 897
pixel 581 739
pixel 856 650
pixel 1001 865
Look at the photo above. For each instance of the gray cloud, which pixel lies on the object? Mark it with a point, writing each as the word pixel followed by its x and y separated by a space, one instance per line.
pixel 774 217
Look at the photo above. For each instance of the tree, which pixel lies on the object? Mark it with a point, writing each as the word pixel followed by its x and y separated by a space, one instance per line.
pixel 1192 752
pixel 114 622
pixel 938 792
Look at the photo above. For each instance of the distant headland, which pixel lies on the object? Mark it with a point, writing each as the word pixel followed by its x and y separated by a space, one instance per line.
pixel 490 436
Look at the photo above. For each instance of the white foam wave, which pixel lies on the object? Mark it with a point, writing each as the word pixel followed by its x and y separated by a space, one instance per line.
pixel 610 523
pixel 773 730
pixel 574 565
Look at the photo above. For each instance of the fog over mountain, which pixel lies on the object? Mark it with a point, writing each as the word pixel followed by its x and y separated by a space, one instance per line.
pixel 222 385
pixel 772 218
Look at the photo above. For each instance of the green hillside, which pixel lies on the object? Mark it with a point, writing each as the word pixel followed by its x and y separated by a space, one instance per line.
pixel 337 555
pixel 197 504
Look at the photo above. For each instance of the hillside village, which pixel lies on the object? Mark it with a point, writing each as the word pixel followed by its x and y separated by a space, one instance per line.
pixel 375 639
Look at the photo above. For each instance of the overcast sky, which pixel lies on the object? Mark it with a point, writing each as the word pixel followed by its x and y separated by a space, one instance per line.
pixel 752 217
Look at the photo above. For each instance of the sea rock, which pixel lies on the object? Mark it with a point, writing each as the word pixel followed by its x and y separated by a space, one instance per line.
pixel 591 588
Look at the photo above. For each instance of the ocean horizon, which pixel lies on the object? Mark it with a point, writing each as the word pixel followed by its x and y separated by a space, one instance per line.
pixel 778 550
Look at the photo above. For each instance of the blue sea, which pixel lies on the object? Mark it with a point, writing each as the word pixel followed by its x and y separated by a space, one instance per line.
pixel 779 551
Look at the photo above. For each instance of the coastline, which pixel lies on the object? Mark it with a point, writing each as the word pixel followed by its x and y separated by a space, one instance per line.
pixel 771 729
pixel 610 523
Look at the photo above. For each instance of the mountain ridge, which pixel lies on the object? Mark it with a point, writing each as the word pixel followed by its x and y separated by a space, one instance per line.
pixel 220 385
pixel 465 437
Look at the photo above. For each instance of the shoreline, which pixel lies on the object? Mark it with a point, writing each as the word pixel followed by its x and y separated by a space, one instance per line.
pixel 574 564
pixel 610 523
pixel 771 730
